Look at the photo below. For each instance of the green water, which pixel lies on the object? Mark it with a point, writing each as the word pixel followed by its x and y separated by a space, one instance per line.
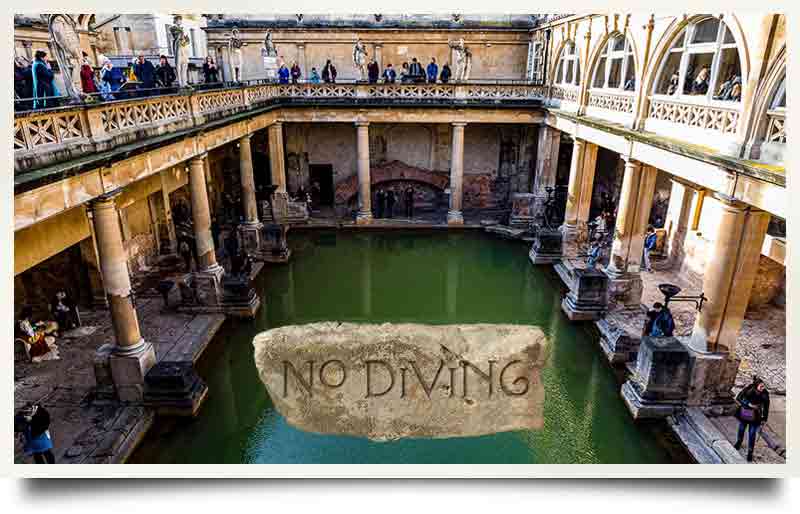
pixel 423 277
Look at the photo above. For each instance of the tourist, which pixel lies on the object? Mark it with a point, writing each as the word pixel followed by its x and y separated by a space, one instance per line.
pixel 649 245
pixel 296 73
pixel 594 251
pixel 329 72
pixel 165 73
pixel 405 76
pixel 389 74
pixel 23 84
pixel 599 224
pixel 663 324
pixel 186 253
pixel 283 74
pixel 380 202
pixel 373 71
pixel 630 84
pixel 44 88
pixel 210 71
pixel 33 422
pixel 415 71
pixel 36 336
pixel 315 79
pixel 730 90
pixel 700 84
pixel 64 311
pixel 752 413
pixel 88 84
pixel 145 72
pixel 433 71
pixel 409 199
pixel 316 194
pixel 446 74
pixel 390 199
pixel 672 88
pixel 111 80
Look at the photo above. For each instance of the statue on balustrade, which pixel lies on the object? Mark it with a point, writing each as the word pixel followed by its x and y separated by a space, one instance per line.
pixel 180 49
pixel 462 59
pixel 360 58
pixel 235 45
pixel 67 50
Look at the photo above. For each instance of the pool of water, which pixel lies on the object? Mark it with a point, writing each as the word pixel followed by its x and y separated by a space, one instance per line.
pixel 421 277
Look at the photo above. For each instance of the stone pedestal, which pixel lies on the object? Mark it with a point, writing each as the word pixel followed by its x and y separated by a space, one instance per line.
pixel 618 345
pixel 671 375
pixel 586 299
pixel 572 237
pixel 174 389
pixel 207 285
pixel 546 247
pixel 104 381
pixel 280 206
pixel 660 385
pixel 250 238
pixel 624 290
pixel 271 67
pixel 128 369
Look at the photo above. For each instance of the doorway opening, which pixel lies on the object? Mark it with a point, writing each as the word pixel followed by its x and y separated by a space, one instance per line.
pixel 322 174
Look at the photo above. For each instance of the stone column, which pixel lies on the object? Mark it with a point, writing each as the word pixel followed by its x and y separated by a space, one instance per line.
pixel 280 198
pixel 364 216
pixel 635 202
pixel 207 279
pixel 579 196
pixel 131 357
pixel 378 54
pixel 546 166
pixel 730 272
pixel 301 60
pixel 680 202
pixel 454 215
pixel 250 230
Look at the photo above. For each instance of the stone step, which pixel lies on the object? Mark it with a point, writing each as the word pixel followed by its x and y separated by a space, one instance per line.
pixel 704 442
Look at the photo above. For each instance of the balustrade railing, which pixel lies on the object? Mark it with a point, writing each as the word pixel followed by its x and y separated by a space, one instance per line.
pixel 617 102
pixel 709 117
pixel 776 127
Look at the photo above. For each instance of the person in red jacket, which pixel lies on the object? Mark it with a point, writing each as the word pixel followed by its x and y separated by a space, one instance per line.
pixel 87 76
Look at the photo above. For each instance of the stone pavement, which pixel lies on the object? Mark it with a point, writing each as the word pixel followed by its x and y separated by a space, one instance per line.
pixel 86 429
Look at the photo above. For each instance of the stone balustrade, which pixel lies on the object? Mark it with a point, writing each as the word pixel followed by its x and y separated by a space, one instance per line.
pixel 723 120
pixel 776 127
pixel 617 102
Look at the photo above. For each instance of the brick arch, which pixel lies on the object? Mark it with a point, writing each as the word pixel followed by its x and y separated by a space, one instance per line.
pixel 389 172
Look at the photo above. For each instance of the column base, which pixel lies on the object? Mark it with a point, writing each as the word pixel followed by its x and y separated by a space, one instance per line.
pixel 128 370
pixel 274 247
pixel 546 247
pixel 364 218
pixel 573 237
pixel 522 210
pixel 210 291
pixel 586 300
pixel 618 345
pixel 174 389
pixel 455 218
pixel 280 206
pixel 624 290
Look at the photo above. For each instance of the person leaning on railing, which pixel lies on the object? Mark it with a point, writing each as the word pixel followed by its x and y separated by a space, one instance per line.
pixel 44 88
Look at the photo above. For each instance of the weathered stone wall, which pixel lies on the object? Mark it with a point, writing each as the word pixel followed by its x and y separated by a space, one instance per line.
pixel 38 285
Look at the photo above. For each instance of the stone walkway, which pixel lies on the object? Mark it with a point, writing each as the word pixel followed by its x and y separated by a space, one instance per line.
pixel 88 430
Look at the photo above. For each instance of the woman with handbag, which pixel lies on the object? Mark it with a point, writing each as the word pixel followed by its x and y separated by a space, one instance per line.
pixel 753 411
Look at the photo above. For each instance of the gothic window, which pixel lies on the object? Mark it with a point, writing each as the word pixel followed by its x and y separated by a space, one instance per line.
pixel 703 62
pixel 615 68
pixel 536 62
pixel 568 72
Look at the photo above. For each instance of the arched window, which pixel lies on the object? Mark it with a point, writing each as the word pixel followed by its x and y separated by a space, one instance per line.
pixel 615 68
pixel 702 62
pixel 568 72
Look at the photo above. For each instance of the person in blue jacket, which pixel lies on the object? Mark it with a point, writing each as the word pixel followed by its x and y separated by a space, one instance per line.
pixel 34 423
pixel 145 72
pixel 433 70
pixel 283 74
pixel 44 87
pixel 649 244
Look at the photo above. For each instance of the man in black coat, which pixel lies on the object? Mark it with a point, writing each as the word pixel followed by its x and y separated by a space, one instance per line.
pixel 373 71
pixel 145 72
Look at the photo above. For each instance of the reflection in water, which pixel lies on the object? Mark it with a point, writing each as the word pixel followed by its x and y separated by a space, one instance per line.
pixel 386 381
pixel 428 278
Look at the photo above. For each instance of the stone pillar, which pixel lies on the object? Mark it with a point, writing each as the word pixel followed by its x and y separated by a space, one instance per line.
pixel 280 198
pixel 730 272
pixel 301 60
pixel 250 230
pixel 680 202
pixel 636 200
pixel 579 196
pixel 131 357
pixel 454 215
pixel 207 280
pixel 378 54
pixel 364 216
pixel 546 166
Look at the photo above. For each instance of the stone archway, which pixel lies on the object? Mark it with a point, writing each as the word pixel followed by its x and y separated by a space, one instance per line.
pixel 432 182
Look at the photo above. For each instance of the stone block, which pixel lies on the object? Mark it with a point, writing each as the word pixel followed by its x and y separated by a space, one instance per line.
pixel 128 371
pixel 624 291
pixel 522 209
pixel 546 247
pixel 174 389
pixel 586 300
pixel 713 375
pixel 660 384
pixel 618 345
pixel 104 381
pixel 250 237
pixel 207 286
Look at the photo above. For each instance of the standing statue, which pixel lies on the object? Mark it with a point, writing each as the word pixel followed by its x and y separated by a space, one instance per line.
pixel 360 58
pixel 67 50
pixel 462 59
pixel 235 50
pixel 180 49
pixel 269 50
